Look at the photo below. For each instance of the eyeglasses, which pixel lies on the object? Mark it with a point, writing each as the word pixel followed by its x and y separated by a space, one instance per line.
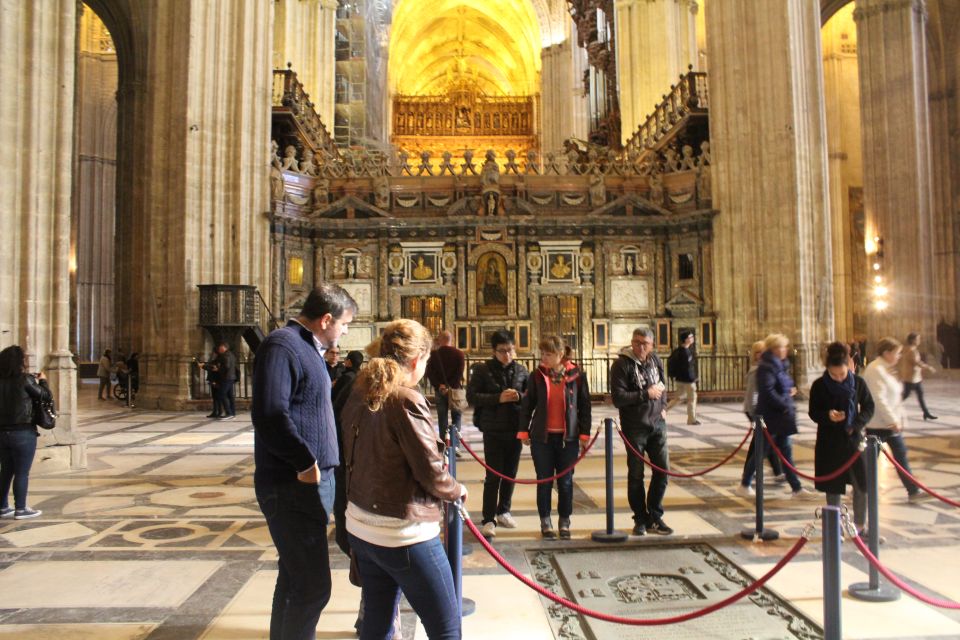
pixel 642 343
pixel 504 351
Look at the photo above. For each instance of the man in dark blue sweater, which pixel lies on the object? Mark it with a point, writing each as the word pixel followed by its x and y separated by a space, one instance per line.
pixel 295 450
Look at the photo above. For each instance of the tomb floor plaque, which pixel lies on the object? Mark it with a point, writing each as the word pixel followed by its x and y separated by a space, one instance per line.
pixel 661 581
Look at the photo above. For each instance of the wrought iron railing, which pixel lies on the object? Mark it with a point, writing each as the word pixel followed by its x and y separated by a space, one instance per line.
pixel 687 97
pixel 288 93
pixel 717 373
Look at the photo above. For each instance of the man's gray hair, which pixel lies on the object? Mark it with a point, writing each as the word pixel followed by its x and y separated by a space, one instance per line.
pixel 643 331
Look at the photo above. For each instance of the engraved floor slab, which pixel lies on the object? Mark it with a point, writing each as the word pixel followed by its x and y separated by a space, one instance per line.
pixel 661 581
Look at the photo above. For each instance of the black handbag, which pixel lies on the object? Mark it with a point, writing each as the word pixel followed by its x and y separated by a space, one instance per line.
pixel 44 414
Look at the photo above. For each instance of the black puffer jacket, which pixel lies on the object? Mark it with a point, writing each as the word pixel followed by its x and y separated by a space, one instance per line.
pixel 16 401
pixel 629 381
pixel 487 381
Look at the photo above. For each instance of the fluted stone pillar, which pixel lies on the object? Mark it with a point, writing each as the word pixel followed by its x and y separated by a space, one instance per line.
pixel 304 35
pixel 38 47
pixel 842 102
pixel 562 99
pixel 891 37
pixel 204 196
pixel 656 41
pixel 772 270
pixel 944 77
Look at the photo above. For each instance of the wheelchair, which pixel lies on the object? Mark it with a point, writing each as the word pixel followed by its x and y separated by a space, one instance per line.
pixel 120 388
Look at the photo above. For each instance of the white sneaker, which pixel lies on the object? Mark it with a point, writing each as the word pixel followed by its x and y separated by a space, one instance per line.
pixel 744 491
pixel 506 521
pixel 804 494
pixel 919 496
pixel 489 529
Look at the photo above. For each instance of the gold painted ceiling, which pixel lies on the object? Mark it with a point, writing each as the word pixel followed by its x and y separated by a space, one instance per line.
pixel 433 43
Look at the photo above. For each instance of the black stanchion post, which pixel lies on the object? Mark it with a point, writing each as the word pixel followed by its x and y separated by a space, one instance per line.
pixel 455 534
pixel 759 442
pixel 609 535
pixel 830 518
pixel 873 591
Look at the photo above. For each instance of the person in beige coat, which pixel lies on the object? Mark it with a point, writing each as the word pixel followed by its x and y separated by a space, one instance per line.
pixel 912 367
pixel 889 417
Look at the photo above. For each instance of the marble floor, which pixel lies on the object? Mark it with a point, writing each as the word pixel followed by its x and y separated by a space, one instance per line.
pixel 161 538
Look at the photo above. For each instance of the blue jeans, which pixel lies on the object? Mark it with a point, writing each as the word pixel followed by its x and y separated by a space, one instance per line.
pixel 549 458
pixel 647 506
pixel 786 448
pixel 17 449
pixel 899 450
pixel 224 398
pixel 443 407
pixel 422 572
pixel 296 516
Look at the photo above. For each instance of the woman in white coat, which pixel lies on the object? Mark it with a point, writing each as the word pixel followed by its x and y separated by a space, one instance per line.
pixel 889 417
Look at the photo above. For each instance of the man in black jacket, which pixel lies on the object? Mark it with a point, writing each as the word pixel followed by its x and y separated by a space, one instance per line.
pixel 226 367
pixel 636 384
pixel 494 391
pixel 682 367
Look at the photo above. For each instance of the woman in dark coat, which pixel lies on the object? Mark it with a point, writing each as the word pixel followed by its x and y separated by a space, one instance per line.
pixel 841 405
pixel 775 391
pixel 18 435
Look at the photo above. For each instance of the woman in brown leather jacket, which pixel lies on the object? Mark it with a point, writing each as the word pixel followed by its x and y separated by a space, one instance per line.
pixel 396 480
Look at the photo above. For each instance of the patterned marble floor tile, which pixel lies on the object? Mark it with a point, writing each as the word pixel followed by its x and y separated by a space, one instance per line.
pixel 45 534
pixel 197 465
pixel 79 631
pixel 103 583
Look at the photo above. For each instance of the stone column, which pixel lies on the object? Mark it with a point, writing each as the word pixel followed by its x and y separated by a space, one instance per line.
pixel 205 193
pixel 304 35
pixel 944 75
pixel 38 46
pixel 657 40
pixel 891 38
pixel 560 95
pixel 772 268
pixel 842 102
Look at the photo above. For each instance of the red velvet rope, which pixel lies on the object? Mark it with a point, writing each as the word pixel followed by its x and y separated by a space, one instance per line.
pixel 917 482
pixel 631 621
pixel 827 478
pixel 900 584
pixel 483 464
pixel 674 474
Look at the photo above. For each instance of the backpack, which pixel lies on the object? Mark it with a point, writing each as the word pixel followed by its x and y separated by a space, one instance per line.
pixel 674 363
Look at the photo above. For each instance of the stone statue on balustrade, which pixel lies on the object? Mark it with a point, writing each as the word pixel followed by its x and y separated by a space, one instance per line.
pixel 656 188
pixel 671 161
pixel 275 154
pixel 688 162
pixel 598 189
pixel 490 172
pixel 704 153
pixel 381 192
pixel 307 167
pixel 290 159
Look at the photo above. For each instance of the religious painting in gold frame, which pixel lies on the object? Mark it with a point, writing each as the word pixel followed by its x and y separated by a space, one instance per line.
pixel 491 285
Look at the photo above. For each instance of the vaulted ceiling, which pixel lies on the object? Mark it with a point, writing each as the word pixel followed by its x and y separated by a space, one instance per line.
pixel 496 42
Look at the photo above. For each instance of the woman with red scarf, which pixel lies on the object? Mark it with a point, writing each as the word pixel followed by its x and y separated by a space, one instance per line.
pixel 555 422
